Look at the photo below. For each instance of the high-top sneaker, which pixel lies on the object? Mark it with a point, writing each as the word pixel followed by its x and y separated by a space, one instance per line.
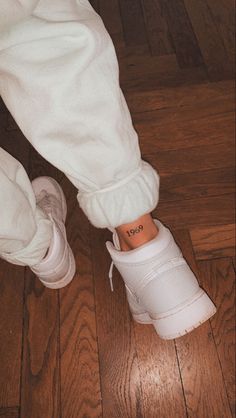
pixel 161 288
pixel 57 268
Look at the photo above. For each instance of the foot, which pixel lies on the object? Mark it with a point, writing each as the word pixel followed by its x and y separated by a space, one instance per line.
pixel 57 268
pixel 161 288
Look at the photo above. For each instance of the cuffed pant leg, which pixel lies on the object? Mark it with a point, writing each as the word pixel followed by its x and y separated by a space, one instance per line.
pixel 25 231
pixel 61 83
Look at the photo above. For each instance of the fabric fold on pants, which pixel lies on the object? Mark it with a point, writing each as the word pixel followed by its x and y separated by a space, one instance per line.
pixel 60 81
pixel 124 201
pixel 25 231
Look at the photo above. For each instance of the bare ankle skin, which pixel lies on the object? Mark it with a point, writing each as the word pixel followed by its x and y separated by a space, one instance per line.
pixel 137 233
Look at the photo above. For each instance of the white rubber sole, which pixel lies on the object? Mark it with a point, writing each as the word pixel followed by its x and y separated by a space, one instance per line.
pixel 181 320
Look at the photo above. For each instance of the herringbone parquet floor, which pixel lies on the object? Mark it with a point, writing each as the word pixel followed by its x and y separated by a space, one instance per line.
pixel 76 353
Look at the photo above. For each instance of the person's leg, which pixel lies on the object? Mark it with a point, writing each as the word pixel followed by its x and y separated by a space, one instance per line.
pixel 60 81
pixel 32 231
pixel 25 230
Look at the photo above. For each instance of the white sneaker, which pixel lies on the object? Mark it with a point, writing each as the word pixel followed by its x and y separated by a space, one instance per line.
pixel 57 269
pixel 161 288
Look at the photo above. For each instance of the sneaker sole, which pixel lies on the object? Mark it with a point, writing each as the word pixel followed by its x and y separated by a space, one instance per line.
pixel 181 320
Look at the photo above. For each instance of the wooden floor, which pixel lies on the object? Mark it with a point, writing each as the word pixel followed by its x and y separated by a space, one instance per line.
pixel 76 353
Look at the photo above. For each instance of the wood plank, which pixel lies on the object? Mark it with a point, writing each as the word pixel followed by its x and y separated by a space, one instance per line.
pixel 149 73
pixel 201 374
pixel 181 32
pixel 213 241
pixel 9 412
pixel 210 131
pixel 218 278
pixel 11 285
pixel 133 22
pixel 40 384
pixel 186 113
pixel 162 392
pixel 223 13
pixel 40 387
pixel 210 42
pixel 199 184
pixel 80 384
pixel 119 370
pixel 192 160
pixel 12 139
pixel 201 212
pixel 218 96
pixel 11 311
pixel 138 66
pixel 110 14
pixel 134 381
pixel 156 27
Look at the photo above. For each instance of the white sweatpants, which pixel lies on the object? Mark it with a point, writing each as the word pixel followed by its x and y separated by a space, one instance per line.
pixel 59 79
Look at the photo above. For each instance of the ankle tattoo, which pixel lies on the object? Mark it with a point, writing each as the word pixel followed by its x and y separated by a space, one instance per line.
pixel 134 231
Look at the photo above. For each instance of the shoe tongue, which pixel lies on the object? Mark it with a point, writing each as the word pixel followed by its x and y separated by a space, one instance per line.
pixel 148 250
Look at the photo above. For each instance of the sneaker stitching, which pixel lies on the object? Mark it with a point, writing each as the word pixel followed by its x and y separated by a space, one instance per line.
pixel 181 307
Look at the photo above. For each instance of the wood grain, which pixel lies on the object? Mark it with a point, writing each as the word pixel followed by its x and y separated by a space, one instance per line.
pixel 218 277
pixel 119 370
pixel 205 211
pixel 157 30
pixel 40 386
pixel 213 241
pixel 135 69
pixel 158 136
pixel 81 355
pixel 212 47
pixel 11 288
pixel 9 412
pixel 11 325
pixel 40 382
pixel 133 22
pixel 192 160
pixel 197 184
pixel 162 392
pixel 201 373
pixel 110 12
pixel 182 34
pixel 222 11
pixel 162 72
pixel 194 98
pixel 12 140
pixel 80 384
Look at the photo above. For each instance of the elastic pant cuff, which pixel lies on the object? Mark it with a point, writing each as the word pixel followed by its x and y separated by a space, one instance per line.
pixel 34 252
pixel 125 201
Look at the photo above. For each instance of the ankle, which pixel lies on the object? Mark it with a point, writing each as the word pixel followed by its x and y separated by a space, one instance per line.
pixel 137 233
